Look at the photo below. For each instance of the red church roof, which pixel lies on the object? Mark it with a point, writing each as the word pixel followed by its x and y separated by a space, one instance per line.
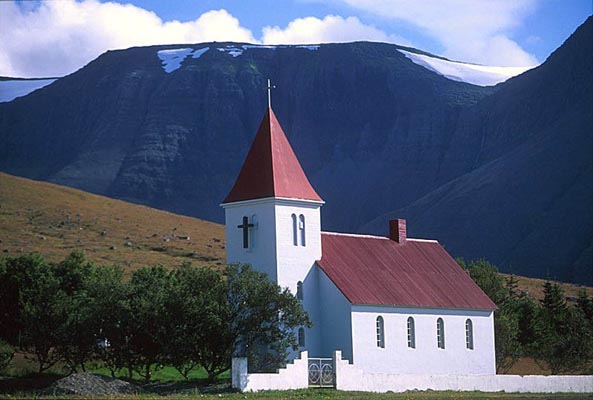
pixel 378 271
pixel 271 168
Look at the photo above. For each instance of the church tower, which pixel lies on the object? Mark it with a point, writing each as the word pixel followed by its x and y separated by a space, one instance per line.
pixel 272 213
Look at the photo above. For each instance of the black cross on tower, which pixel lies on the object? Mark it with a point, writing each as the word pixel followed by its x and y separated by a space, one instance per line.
pixel 245 226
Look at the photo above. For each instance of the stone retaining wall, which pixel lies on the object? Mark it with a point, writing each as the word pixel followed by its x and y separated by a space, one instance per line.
pixel 350 377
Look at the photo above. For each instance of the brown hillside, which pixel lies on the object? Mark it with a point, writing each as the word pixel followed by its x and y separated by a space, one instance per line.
pixel 55 220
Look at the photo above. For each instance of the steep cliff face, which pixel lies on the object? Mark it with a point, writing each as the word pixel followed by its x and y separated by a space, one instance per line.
pixel 528 204
pixel 359 115
pixel 169 126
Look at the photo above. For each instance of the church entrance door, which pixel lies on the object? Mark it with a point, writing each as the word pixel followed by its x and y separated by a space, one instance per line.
pixel 322 373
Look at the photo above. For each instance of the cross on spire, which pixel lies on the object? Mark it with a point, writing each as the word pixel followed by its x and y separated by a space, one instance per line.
pixel 270 87
pixel 245 226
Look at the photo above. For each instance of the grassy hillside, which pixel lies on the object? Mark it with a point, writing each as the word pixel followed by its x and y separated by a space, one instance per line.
pixel 54 220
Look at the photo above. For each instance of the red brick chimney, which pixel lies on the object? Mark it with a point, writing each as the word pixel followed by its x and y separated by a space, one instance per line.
pixel 397 230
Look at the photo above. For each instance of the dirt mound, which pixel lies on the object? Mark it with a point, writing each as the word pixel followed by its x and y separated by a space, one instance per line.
pixel 92 385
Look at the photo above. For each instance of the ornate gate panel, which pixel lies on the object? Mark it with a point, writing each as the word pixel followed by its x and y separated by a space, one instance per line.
pixel 321 372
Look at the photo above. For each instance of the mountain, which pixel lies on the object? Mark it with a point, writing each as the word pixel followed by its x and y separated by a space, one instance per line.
pixel 529 203
pixel 125 127
pixel 169 126
pixel 55 220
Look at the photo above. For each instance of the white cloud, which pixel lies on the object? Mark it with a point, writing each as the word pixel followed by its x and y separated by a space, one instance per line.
pixel 332 28
pixel 469 30
pixel 58 37
pixel 54 38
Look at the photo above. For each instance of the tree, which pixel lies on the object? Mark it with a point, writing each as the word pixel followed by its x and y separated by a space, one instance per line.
pixel 38 314
pixel 263 318
pixel 77 341
pixel 147 296
pixel 585 304
pixel 198 324
pixel 488 278
pixel 111 313
pixel 6 355
pixel 506 321
pixel 562 334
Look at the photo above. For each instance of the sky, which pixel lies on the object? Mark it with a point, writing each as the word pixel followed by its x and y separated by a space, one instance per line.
pixel 56 37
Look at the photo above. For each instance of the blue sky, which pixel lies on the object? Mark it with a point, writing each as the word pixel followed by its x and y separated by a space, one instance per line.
pixel 541 31
pixel 53 38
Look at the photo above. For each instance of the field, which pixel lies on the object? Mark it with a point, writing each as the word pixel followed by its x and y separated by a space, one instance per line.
pixel 55 220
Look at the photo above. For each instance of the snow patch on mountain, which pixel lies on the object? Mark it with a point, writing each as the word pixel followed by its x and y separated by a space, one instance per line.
pixel 259 46
pixel 232 50
pixel 171 59
pixel 308 47
pixel 11 89
pixel 480 75
pixel 198 53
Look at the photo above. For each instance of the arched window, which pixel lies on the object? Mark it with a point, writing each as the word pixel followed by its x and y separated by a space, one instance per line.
pixel 469 334
pixel 440 333
pixel 302 229
pixel 300 290
pixel 301 337
pixel 380 332
pixel 411 333
pixel 294 230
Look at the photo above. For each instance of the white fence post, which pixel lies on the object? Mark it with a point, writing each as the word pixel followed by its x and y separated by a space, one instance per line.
pixel 239 373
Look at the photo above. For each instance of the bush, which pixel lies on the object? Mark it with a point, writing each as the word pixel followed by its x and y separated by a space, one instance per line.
pixel 6 355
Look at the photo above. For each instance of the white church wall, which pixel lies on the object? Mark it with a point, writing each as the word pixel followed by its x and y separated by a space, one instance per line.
pixel 272 248
pixel 351 377
pixel 294 376
pixel 335 328
pixel 261 253
pixel 311 303
pixel 295 261
pixel 426 357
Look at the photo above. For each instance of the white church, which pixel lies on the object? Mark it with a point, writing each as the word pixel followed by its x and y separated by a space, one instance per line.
pixel 390 304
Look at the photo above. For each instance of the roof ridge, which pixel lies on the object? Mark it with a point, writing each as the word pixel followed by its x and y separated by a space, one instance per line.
pixel 269 114
pixel 355 235
pixel 422 240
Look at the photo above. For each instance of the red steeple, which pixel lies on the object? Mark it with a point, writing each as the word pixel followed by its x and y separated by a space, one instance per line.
pixel 271 168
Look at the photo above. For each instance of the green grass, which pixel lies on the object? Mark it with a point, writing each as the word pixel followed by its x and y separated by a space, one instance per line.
pixel 163 374
pixel 21 368
pixel 325 394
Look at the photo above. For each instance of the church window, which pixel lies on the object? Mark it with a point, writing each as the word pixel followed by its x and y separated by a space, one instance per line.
pixel 380 332
pixel 469 334
pixel 440 333
pixel 300 290
pixel 302 229
pixel 301 337
pixel 411 333
pixel 294 230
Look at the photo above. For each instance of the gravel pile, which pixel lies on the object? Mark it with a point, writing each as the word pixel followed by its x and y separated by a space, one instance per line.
pixel 92 385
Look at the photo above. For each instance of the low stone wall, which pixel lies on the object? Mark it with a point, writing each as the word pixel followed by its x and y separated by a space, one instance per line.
pixel 350 377
pixel 294 376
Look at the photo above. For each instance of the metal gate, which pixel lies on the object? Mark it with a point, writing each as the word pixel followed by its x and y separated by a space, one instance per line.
pixel 321 372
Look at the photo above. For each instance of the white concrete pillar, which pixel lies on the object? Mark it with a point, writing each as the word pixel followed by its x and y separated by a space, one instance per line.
pixel 239 373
